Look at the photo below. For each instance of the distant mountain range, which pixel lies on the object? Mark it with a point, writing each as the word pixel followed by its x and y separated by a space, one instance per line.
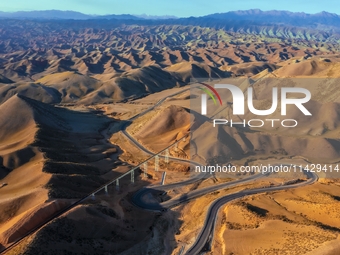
pixel 294 18
pixel 282 24
pixel 55 14
pixel 284 17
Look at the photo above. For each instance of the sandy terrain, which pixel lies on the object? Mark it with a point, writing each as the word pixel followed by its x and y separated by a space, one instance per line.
pixel 64 153
pixel 64 100
pixel 292 215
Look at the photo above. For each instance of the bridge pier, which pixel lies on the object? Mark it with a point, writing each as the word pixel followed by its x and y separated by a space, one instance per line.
pixel 156 163
pixel 133 176
pixel 106 190
pixel 167 154
pixel 93 196
pixel 117 184
pixel 163 178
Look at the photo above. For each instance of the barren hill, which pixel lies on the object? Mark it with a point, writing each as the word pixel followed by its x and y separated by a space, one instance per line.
pixel 46 153
pixel 65 83
pixel 87 65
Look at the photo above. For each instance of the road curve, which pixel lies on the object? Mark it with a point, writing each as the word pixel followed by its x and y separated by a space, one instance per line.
pixel 137 198
pixel 208 228
pixel 194 179
pixel 209 225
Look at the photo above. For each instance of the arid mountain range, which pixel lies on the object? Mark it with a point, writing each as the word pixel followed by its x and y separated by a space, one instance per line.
pixel 83 99
pixel 78 62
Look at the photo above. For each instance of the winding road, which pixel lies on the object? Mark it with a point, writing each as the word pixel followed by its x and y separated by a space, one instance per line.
pixel 206 233
pixel 205 237
pixel 138 198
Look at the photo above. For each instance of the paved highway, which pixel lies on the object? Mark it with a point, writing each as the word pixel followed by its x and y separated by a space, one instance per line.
pixel 195 178
pixel 138 197
pixel 210 220
pixel 140 201
pixel 205 237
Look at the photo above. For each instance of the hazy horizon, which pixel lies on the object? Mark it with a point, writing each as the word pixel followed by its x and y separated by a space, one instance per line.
pixel 166 8
pixel 155 15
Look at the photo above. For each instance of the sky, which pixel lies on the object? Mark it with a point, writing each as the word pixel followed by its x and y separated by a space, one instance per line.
pixel 179 8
